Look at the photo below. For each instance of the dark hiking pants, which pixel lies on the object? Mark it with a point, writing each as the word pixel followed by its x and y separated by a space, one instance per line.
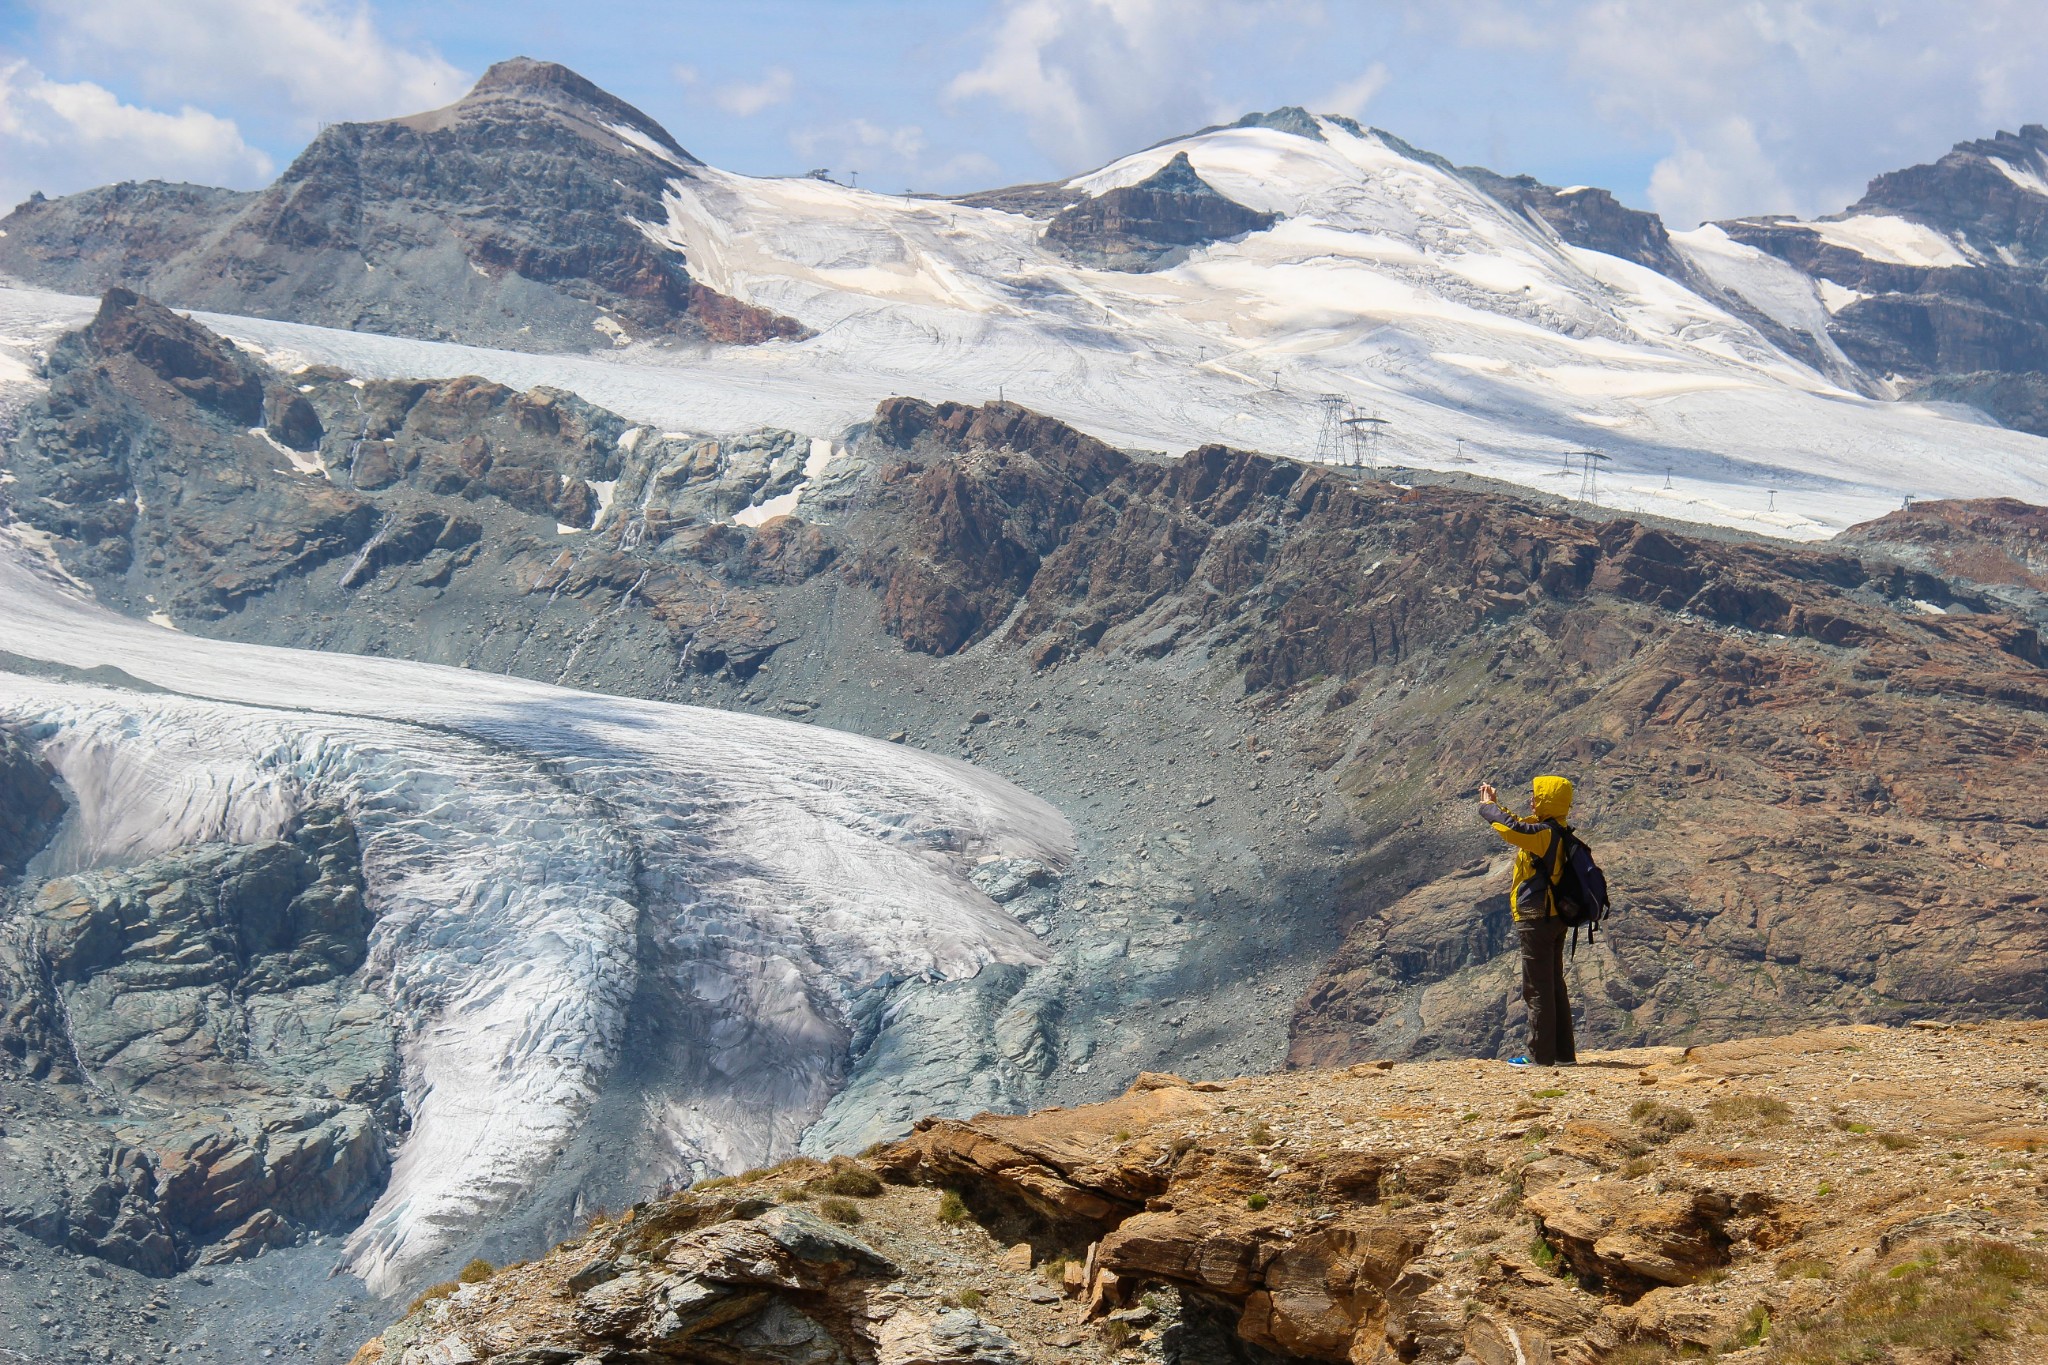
pixel 1550 1010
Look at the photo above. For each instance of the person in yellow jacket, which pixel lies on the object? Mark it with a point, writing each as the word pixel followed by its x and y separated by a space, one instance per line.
pixel 1539 863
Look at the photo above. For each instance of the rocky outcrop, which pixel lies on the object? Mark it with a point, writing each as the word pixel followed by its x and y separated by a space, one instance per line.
pixel 1587 217
pixel 30 804
pixel 1654 1204
pixel 160 445
pixel 510 218
pixel 150 456
pixel 116 235
pixel 195 1074
pixel 1153 224
pixel 1979 191
pixel 971 523
pixel 1992 543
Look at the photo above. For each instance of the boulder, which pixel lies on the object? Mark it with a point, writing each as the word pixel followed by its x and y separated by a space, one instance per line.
pixel 1632 1240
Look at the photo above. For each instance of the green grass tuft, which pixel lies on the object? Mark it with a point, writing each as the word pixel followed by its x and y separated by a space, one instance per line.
pixel 1946 1303
pixel 848 1179
pixel 1660 1122
pixel 1766 1110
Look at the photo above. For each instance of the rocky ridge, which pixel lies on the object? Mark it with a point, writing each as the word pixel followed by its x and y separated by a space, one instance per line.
pixel 1307 669
pixel 525 216
pixel 1812 1197
pixel 1967 327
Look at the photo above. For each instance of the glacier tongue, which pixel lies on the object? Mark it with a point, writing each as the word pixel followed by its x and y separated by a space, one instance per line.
pixel 554 874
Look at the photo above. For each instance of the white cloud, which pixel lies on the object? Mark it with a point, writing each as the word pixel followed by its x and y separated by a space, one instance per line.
pixel 319 59
pixel 1353 95
pixel 747 100
pixel 59 136
pixel 1781 107
pixel 1725 166
pixel 1095 78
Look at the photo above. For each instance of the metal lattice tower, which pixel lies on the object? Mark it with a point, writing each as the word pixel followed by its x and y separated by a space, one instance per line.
pixel 1348 436
pixel 1362 435
pixel 1589 474
pixel 1330 436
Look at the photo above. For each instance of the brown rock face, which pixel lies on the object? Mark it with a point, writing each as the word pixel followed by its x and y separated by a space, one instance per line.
pixel 1605 1230
pixel 1309 1296
pixel 994 491
pixel 131 329
pixel 1992 541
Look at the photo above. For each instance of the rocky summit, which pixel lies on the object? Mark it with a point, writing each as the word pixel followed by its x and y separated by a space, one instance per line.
pixel 1836 1195
pixel 510 218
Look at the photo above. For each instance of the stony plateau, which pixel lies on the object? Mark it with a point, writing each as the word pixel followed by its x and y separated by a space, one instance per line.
pixel 1810 1197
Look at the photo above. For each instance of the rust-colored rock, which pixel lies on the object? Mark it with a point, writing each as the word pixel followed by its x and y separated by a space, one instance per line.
pixel 1608 1231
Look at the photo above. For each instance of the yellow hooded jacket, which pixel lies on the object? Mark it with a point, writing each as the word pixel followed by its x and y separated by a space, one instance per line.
pixel 1532 839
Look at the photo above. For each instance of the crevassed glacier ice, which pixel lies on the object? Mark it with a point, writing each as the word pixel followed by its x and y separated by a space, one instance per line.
pixel 554 873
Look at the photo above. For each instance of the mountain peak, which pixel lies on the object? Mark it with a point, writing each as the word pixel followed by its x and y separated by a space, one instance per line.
pixel 1177 176
pixel 519 83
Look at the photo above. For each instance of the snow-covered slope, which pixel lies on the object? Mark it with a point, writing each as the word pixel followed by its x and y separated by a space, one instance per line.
pixel 1391 281
pixel 1485 341
pixel 550 869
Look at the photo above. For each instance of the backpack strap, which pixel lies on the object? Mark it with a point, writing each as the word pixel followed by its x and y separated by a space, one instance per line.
pixel 1554 869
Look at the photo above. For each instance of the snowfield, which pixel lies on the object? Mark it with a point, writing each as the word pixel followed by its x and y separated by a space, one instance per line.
pixel 1484 341
pixel 533 855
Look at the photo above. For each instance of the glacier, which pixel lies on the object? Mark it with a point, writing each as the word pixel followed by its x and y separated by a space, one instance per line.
pixel 1486 343
pixel 547 868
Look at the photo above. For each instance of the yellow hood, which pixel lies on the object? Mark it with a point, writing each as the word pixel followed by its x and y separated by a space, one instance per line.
pixel 1553 798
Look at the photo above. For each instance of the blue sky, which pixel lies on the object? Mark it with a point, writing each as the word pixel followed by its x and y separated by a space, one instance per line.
pixel 1703 109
